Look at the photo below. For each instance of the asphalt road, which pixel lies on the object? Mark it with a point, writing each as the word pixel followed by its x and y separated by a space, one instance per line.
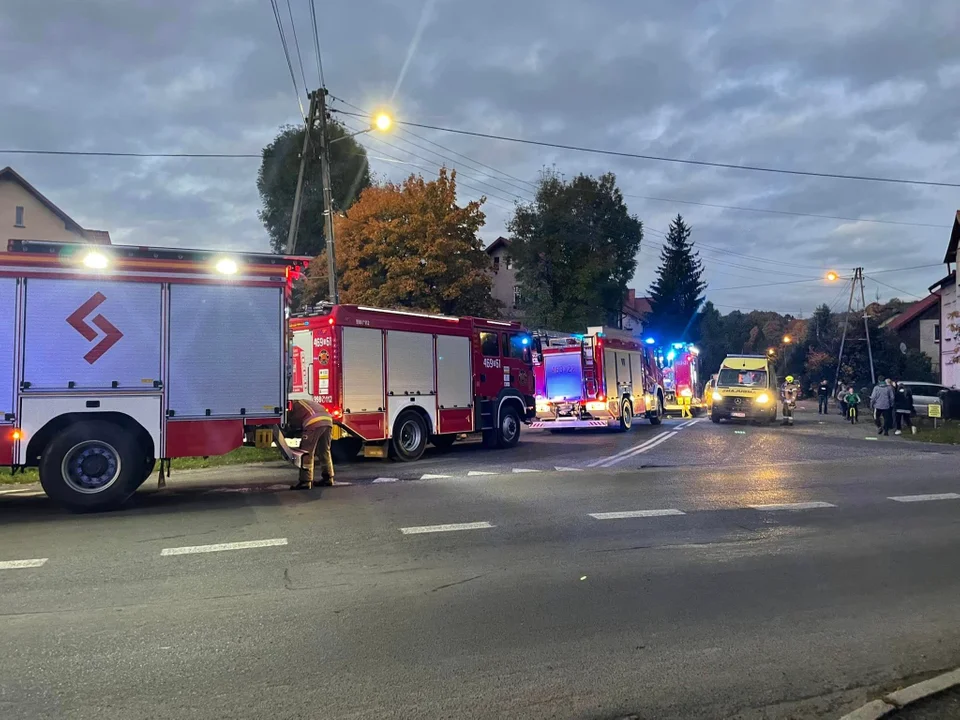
pixel 752 572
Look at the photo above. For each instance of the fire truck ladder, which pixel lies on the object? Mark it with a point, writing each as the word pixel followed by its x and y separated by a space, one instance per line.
pixel 591 387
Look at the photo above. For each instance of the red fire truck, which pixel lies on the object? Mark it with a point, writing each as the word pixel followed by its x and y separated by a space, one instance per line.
pixel 112 357
pixel 396 380
pixel 680 363
pixel 601 379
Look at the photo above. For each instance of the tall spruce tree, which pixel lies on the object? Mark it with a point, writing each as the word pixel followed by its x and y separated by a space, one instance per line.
pixel 677 293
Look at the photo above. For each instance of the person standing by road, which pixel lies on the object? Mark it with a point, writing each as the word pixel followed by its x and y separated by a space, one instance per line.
pixel 881 400
pixel 317 431
pixel 841 398
pixel 903 406
pixel 823 396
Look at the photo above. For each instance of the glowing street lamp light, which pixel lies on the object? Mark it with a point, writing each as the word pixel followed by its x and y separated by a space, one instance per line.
pixel 787 339
pixel 771 351
pixel 832 276
pixel 382 122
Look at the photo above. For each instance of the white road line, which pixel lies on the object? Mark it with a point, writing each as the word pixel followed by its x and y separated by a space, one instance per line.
pixel 453 527
pixel 523 470
pixel 682 425
pixel 635 514
pixel 428 476
pixel 627 451
pixel 219 547
pixel 565 469
pixel 21 564
pixel 924 498
pixel 386 480
pixel 475 473
pixel 793 506
pixel 639 451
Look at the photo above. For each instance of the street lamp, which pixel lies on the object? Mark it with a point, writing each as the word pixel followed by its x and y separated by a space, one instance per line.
pixel 832 276
pixel 771 351
pixel 383 121
pixel 787 339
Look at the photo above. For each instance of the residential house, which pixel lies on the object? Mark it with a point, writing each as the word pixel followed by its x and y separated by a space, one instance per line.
pixel 633 312
pixel 918 327
pixel 26 214
pixel 505 287
pixel 946 288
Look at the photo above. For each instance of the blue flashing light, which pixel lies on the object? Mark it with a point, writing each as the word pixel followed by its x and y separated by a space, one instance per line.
pixel 678 345
pixel 671 355
pixel 649 341
pixel 525 341
pixel 306 322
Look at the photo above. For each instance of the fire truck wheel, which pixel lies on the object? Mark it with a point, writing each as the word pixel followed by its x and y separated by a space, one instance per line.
pixel 626 415
pixel 442 442
pixel 92 466
pixel 657 417
pixel 409 436
pixel 508 432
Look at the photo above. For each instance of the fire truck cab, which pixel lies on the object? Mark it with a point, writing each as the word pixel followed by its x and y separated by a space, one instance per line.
pixel 395 380
pixel 604 378
pixel 680 365
pixel 114 357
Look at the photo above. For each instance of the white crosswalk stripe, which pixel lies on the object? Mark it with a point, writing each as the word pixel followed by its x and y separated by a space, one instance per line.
pixel 925 498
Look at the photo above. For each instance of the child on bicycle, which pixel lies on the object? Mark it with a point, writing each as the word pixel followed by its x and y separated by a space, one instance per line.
pixel 852 400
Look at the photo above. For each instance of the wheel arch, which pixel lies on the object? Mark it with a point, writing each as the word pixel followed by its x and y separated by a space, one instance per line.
pixel 42 438
pixel 428 421
pixel 506 397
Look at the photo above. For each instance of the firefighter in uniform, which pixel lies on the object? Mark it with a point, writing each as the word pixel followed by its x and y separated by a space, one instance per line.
pixel 788 393
pixel 685 402
pixel 317 429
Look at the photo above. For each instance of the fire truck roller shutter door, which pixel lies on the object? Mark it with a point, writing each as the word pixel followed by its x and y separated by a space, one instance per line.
pixel 636 372
pixel 93 333
pixel 362 370
pixel 8 294
pixel 454 385
pixel 610 373
pixel 226 350
pixel 410 376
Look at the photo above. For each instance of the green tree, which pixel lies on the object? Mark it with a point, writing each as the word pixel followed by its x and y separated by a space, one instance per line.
pixel 411 245
pixel 677 293
pixel 277 183
pixel 575 249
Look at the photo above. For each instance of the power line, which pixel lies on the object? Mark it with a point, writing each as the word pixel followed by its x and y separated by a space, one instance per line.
pixel 286 54
pixel 681 161
pixel 296 43
pixel 895 289
pixel 760 285
pixel 131 154
pixel 912 267
pixel 316 42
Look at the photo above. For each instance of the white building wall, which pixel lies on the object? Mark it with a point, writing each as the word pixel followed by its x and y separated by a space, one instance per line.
pixel 950 372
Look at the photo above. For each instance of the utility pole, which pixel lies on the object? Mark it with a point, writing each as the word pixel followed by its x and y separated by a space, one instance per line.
pixel 320 97
pixel 857 278
pixel 298 194
pixel 866 327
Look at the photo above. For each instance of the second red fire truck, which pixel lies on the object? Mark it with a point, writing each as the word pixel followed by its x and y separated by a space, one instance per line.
pixel 680 363
pixel 605 378
pixel 395 381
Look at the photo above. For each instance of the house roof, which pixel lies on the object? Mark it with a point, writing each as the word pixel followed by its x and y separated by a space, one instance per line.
pixel 498 243
pixel 638 306
pixel 913 312
pixel 99 237
pixel 951 256
pixel 944 282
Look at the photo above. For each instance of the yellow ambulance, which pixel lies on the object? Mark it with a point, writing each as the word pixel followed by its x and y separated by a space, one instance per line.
pixel 746 388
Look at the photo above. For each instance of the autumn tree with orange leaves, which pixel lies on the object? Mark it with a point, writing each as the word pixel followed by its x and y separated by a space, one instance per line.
pixel 411 246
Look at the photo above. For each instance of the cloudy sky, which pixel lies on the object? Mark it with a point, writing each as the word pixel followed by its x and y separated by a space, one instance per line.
pixel 868 87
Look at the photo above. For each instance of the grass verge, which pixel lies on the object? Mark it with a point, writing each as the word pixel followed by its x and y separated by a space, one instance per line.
pixel 948 433
pixel 240 456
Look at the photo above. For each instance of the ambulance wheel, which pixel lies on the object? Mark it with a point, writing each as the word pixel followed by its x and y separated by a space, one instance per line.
pixel 626 415
pixel 443 442
pixel 92 465
pixel 409 437
pixel 508 432
pixel 714 418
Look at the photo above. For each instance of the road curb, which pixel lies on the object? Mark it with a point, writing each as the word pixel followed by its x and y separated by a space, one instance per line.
pixel 876 709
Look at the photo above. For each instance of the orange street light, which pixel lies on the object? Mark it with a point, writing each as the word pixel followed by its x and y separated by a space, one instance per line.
pixel 831 276
pixel 382 121
pixel 771 351
pixel 787 339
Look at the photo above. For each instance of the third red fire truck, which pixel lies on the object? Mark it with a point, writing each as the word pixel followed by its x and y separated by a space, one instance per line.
pixel 604 378
pixel 395 380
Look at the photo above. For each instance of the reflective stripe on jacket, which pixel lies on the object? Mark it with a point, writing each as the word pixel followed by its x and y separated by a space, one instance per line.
pixel 313 413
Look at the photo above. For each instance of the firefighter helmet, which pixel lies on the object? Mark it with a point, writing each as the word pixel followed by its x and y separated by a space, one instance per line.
pixel 789 378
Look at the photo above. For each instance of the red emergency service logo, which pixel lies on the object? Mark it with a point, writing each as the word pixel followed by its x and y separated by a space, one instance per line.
pixel 111 335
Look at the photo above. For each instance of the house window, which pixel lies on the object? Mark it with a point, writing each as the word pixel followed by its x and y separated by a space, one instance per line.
pixel 509 263
pixel 516 297
pixel 936 332
pixel 496 263
pixel 19 222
